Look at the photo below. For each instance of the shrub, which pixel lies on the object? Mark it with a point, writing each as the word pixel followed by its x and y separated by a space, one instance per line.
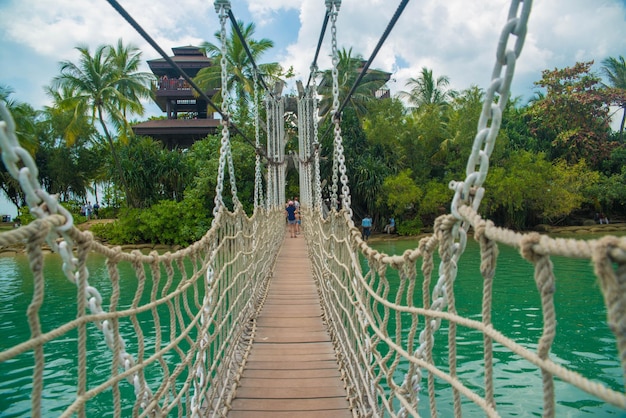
pixel 168 222
pixel 410 226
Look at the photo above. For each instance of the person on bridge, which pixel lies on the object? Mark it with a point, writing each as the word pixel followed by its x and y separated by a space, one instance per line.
pixel 290 212
pixel 296 203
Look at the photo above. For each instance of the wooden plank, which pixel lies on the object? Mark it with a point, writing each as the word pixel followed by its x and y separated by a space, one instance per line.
pixel 292 374
pixel 294 348
pixel 331 413
pixel 271 382
pixel 291 365
pixel 293 392
pixel 292 370
pixel 273 321
pixel 257 356
pixel 288 404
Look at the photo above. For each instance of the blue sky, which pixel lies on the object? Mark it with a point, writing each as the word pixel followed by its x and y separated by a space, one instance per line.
pixel 456 38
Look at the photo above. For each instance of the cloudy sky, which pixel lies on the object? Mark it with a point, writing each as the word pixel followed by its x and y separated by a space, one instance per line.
pixel 456 38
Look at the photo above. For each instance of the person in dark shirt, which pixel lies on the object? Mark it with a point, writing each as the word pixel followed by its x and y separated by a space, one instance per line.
pixel 290 212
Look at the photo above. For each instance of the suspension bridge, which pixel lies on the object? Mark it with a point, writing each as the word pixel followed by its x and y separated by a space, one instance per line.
pixel 247 322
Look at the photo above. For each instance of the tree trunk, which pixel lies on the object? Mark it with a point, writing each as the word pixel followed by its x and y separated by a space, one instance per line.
pixel 621 127
pixel 116 160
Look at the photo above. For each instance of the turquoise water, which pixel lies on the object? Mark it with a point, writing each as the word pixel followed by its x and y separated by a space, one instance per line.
pixel 16 286
pixel 583 343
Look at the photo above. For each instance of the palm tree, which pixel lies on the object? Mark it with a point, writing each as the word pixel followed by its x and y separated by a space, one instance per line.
pixel 425 90
pixel 348 70
pixel 240 68
pixel 107 86
pixel 25 118
pixel 615 70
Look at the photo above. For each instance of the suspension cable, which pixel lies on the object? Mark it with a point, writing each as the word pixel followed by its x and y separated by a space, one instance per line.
pixel 180 71
pixel 319 46
pixel 382 39
pixel 235 24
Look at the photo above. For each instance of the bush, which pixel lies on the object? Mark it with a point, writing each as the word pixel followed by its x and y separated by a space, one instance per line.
pixel 168 222
pixel 410 226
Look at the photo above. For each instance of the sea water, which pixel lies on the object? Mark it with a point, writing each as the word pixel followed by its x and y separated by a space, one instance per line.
pixel 583 340
pixel 583 343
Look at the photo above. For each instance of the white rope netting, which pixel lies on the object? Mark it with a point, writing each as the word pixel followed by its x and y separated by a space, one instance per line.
pixel 377 333
pixel 198 304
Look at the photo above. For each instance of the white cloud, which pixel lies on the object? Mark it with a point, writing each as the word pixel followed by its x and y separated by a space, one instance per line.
pixel 456 38
pixel 267 12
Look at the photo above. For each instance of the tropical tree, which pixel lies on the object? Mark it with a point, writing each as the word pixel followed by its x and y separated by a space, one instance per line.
pixel 426 90
pixel 26 119
pixel 349 69
pixel 153 172
pixel 615 70
pixel 573 116
pixel 402 195
pixel 107 88
pixel 239 66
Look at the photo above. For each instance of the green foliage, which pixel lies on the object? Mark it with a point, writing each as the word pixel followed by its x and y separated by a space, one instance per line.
pixel 608 194
pixel 436 200
pixel 152 172
pixel 410 226
pixel 529 189
pixel 573 115
pixel 104 87
pixel 401 193
pixel 203 160
pixel 167 222
pixel 24 216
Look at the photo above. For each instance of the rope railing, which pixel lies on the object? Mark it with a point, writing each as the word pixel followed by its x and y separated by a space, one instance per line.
pixel 191 313
pixel 385 341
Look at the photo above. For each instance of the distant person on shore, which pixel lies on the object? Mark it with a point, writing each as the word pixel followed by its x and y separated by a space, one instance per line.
pixel 366 224
pixel 88 209
pixel 390 228
pixel 603 219
pixel 290 212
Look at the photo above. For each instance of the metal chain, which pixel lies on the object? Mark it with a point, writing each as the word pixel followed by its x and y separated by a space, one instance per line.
pixel 316 144
pixel 280 141
pixel 42 204
pixel 339 162
pixel 258 175
pixel 270 154
pixel 222 7
pixel 303 139
pixel 332 10
pixel 471 191
pixel 305 154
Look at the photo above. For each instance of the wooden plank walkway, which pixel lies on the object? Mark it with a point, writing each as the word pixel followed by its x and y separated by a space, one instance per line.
pixel 292 370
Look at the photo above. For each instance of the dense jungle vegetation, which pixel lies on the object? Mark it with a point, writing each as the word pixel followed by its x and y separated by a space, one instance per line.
pixel 556 159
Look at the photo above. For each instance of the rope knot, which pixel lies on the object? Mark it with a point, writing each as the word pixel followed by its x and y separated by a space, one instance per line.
pixel 529 247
